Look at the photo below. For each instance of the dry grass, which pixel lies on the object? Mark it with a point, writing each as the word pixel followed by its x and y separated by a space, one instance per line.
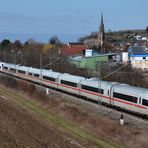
pixel 104 127
pixel 128 137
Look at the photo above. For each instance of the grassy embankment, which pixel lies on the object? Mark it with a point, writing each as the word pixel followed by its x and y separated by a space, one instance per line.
pixel 57 122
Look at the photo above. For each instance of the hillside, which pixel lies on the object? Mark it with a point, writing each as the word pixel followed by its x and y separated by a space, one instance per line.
pixel 114 39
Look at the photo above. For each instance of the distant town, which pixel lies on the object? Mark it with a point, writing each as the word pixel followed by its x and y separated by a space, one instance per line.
pixel 119 47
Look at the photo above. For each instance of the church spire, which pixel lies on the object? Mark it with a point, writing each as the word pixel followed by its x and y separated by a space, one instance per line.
pixel 101 34
pixel 102 19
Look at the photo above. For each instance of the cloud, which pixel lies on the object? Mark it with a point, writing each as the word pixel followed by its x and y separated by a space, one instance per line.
pixel 17 23
pixel 64 19
pixel 12 18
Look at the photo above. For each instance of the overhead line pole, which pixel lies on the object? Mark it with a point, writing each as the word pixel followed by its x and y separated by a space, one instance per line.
pixel 99 81
pixel 99 86
pixel 40 70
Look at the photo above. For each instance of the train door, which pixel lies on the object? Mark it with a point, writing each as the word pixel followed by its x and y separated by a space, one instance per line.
pixel 108 95
pixel 139 102
pixel 79 86
pixel 1 67
pixel 143 101
pixel 111 96
pixel 58 81
pixel 111 92
pixel 81 93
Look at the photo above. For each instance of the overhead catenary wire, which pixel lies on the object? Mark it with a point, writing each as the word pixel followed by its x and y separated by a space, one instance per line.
pixel 52 62
pixel 115 71
pixel 106 77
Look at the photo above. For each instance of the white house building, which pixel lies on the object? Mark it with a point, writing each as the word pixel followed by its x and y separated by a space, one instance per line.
pixel 138 57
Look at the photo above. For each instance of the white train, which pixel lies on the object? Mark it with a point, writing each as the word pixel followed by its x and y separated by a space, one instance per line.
pixel 127 97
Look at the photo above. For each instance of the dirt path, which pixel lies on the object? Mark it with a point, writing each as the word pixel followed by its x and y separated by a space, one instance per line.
pixel 20 129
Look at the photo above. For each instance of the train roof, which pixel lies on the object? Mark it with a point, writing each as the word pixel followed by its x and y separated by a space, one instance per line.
pixel 34 70
pixel 95 82
pixel 72 78
pixel 50 73
pixel 24 68
pixel 45 71
pixel 131 89
pixel 8 64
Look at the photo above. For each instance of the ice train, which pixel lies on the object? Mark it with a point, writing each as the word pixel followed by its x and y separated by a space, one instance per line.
pixel 133 99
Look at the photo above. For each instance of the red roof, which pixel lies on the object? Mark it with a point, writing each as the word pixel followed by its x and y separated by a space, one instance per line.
pixel 73 50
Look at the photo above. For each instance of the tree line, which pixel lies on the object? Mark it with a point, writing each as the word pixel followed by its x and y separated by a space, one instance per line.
pixel 28 53
pixel 39 55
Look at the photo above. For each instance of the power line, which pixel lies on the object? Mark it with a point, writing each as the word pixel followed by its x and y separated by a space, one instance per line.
pixel 52 62
pixel 115 71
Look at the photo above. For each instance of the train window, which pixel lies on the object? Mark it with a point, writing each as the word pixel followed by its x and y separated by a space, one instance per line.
pixel 21 71
pixel 36 75
pixel 145 102
pixel 30 73
pixel 49 78
pixel 12 69
pixel 125 97
pixel 108 92
pixel 144 58
pixel 140 100
pixel 93 89
pixel 69 83
pixel 5 67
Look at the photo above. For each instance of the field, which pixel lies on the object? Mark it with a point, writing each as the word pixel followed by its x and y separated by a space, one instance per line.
pixel 36 120
pixel 25 124
pixel 19 128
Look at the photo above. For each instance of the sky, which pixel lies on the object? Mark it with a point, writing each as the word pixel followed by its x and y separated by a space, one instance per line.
pixel 69 18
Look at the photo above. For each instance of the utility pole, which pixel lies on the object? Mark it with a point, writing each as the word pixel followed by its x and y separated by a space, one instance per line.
pixel 50 60
pixel 40 70
pixel 40 61
pixel 99 86
pixel 15 58
pixel 21 58
pixel 4 55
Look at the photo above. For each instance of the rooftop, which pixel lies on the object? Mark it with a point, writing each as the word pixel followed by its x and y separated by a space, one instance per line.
pixel 138 50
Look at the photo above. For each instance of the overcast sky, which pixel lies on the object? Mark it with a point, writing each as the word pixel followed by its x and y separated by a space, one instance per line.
pixel 71 16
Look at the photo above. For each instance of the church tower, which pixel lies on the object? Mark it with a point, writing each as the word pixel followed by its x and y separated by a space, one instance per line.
pixel 101 35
